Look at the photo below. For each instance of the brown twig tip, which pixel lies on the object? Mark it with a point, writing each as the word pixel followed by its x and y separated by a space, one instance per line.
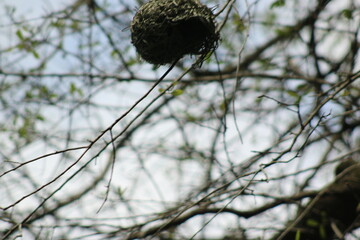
pixel 163 31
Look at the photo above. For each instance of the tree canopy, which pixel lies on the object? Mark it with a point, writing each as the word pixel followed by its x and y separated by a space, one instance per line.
pixel 257 137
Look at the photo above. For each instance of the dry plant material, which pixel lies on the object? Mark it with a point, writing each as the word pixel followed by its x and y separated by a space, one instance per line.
pixel 163 31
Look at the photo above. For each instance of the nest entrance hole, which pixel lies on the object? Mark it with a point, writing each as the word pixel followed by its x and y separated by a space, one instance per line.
pixel 189 34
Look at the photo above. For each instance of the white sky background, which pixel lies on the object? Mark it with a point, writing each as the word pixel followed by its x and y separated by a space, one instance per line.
pixel 35 8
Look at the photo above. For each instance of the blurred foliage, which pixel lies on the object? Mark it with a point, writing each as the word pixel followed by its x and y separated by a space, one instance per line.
pixel 98 144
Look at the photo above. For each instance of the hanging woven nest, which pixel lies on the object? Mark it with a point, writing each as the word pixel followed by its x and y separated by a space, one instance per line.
pixel 163 31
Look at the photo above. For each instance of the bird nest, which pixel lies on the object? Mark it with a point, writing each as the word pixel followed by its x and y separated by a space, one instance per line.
pixel 163 31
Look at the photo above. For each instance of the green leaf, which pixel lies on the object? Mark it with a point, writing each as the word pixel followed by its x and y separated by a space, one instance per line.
pixel 177 92
pixel 27 125
pixel 35 54
pixel 347 13
pixel 74 89
pixel 298 234
pixel 239 23
pixel 20 35
pixel 114 54
pixel 345 93
pixel 292 93
pixel 58 24
pixel 132 61
pixel 191 118
pixel 302 87
pixel 120 192
pixel 278 3
pixel 23 132
pixel 312 223
pixel 29 95
pixel 223 106
pixel 283 31
pixel 258 100
pixel 75 26
pixel 322 232
pixel 40 117
pixel 44 91
pixel 271 18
